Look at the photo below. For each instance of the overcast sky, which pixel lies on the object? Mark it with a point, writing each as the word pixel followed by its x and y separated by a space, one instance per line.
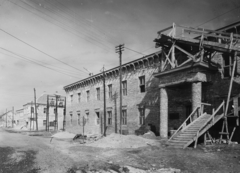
pixel 46 44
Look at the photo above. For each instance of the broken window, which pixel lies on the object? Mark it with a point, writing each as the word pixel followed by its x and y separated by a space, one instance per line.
pixel 124 117
pixel 109 117
pixel 228 61
pixel 142 84
pixel 124 87
pixel 110 91
pixel 98 93
pixel 141 116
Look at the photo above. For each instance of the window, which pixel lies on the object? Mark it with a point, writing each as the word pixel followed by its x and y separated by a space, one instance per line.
pixel 109 113
pixel 71 98
pixel 88 95
pixel 79 118
pixel 44 110
pixel 44 122
pixel 124 117
pixel 141 116
pixel 228 61
pixel 54 110
pixel 98 93
pixel 79 97
pixel 98 118
pixel 71 119
pixel 142 84
pixel 124 87
pixel 32 109
pixel 110 91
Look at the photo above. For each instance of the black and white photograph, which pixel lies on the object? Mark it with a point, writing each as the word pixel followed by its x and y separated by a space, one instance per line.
pixel 119 86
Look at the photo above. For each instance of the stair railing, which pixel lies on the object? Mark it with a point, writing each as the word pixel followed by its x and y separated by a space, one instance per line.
pixel 210 119
pixel 184 124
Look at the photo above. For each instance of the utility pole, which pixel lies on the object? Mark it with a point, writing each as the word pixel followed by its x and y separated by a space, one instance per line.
pixel 119 50
pixel 64 114
pixel 56 113
pixel 47 113
pixel 12 117
pixel 35 109
pixel 104 104
pixel 31 112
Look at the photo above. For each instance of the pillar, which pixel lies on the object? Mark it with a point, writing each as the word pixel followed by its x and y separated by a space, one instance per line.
pixel 196 96
pixel 163 113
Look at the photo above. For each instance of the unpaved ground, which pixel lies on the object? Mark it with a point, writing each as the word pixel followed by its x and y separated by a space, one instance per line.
pixel 30 154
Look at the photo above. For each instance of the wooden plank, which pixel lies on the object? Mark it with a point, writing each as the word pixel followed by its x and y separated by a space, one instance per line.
pixel 170 27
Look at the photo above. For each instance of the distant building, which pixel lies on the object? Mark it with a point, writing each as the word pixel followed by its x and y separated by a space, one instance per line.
pixel 30 116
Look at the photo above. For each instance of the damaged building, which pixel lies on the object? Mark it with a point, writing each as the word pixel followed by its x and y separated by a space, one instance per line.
pixel 190 86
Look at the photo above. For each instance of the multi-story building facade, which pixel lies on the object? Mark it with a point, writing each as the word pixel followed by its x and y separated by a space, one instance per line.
pixel 160 89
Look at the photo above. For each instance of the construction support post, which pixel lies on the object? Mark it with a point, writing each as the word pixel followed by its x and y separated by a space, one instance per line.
pixel 119 50
pixel 196 97
pixel 35 109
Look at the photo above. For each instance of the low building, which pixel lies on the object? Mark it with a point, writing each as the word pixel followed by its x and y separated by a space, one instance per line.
pixel 55 120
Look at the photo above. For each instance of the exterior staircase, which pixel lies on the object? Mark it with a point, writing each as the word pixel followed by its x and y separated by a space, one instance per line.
pixel 192 129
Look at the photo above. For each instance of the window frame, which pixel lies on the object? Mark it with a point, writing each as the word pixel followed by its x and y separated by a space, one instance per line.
pixel 124 116
pixel 110 91
pixel 141 116
pixel 98 93
pixel 79 97
pixel 109 112
pixel 88 95
pixel 124 88
pixel 142 84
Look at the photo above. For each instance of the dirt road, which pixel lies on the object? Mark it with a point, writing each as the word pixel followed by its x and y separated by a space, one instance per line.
pixel 21 153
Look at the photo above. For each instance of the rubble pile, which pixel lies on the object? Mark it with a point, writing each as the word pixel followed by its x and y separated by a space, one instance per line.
pixel 122 141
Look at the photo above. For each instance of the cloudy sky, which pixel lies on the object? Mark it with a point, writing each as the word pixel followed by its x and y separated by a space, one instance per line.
pixel 47 44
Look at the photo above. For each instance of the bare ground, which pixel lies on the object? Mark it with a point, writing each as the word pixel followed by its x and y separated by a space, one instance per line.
pixel 29 154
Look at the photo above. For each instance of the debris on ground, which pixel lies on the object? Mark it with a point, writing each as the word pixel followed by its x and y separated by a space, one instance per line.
pixel 149 135
pixel 122 141
pixel 63 135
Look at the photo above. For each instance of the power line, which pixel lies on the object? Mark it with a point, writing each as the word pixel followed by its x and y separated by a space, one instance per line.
pixel 34 62
pixel 218 16
pixel 40 50
pixel 83 33
pixel 135 51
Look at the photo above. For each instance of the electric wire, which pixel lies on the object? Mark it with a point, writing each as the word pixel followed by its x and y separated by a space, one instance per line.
pixel 33 61
pixel 95 39
pixel 40 50
pixel 70 19
pixel 72 32
pixel 134 51
pixel 90 25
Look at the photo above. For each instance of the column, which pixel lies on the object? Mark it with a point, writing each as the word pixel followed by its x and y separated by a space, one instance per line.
pixel 163 113
pixel 196 96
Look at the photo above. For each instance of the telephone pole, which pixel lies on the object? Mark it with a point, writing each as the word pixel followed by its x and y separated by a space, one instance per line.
pixel 104 104
pixel 35 104
pixel 119 50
